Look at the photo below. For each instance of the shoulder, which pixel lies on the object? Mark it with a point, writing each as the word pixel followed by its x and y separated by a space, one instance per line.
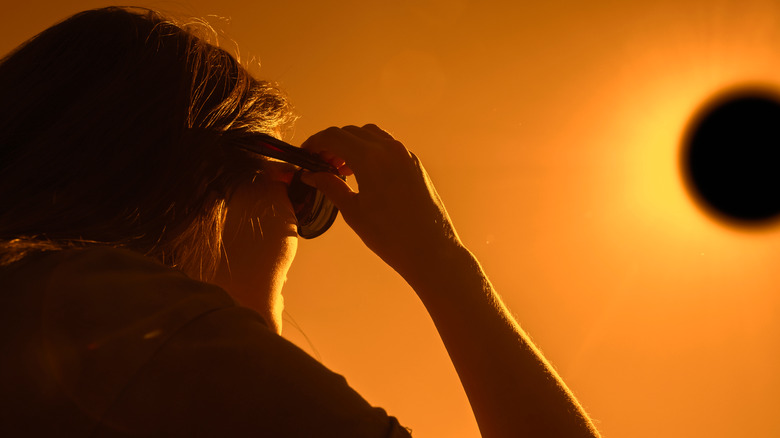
pixel 146 351
pixel 110 290
pixel 105 289
pixel 106 312
pixel 77 325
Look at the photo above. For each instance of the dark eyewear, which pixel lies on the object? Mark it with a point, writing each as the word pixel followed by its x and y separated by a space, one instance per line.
pixel 313 211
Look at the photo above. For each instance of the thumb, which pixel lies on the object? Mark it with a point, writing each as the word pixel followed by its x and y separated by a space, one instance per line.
pixel 333 187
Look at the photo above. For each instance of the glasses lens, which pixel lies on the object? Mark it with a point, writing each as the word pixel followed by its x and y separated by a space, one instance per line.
pixel 313 211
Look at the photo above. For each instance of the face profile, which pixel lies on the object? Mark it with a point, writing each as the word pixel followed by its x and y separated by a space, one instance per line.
pixel 314 212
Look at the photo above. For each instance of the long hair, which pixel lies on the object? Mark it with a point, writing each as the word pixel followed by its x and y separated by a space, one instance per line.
pixel 115 129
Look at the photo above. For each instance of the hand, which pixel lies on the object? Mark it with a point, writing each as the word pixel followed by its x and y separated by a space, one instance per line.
pixel 511 387
pixel 396 212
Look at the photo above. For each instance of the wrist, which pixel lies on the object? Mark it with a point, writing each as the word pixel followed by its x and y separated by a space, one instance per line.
pixel 441 270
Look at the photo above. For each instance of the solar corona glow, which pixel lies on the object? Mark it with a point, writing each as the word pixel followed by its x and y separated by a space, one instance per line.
pixel 613 165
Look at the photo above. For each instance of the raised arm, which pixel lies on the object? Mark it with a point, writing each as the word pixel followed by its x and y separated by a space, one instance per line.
pixel 397 213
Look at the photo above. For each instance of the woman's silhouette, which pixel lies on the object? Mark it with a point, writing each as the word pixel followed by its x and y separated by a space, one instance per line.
pixel 144 251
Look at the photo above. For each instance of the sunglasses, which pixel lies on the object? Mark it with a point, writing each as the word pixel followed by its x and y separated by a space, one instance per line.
pixel 313 211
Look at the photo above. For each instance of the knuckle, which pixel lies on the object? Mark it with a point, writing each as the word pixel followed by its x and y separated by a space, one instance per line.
pixel 318 141
pixel 397 147
pixel 326 133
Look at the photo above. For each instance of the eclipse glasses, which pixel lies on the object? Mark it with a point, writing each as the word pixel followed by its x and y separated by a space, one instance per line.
pixel 313 211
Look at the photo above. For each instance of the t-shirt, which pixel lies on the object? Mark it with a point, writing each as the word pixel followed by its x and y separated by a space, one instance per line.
pixel 104 342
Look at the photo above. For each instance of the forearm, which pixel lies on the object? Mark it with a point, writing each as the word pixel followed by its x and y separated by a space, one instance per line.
pixel 398 214
pixel 512 389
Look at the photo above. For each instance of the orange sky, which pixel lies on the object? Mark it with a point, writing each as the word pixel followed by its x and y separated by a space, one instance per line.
pixel 552 132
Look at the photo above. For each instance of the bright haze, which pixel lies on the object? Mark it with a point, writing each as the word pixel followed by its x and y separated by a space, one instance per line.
pixel 552 131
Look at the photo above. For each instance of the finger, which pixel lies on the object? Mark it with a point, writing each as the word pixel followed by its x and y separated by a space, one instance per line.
pixel 327 156
pixel 333 187
pixel 365 134
pixel 336 162
pixel 378 131
pixel 345 170
pixel 334 142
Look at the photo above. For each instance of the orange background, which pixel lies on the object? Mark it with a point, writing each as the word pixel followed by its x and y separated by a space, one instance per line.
pixel 552 131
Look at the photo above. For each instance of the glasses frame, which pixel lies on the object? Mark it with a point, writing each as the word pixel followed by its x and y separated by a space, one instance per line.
pixel 268 146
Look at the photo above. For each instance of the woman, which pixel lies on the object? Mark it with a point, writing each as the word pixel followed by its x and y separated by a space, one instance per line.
pixel 123 168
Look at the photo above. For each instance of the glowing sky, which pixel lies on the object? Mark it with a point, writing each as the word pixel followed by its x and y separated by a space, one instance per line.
pixel 552 131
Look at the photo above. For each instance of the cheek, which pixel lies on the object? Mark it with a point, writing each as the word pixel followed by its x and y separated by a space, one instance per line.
pixel 287 251
pixel 279 225
pixel 281 210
